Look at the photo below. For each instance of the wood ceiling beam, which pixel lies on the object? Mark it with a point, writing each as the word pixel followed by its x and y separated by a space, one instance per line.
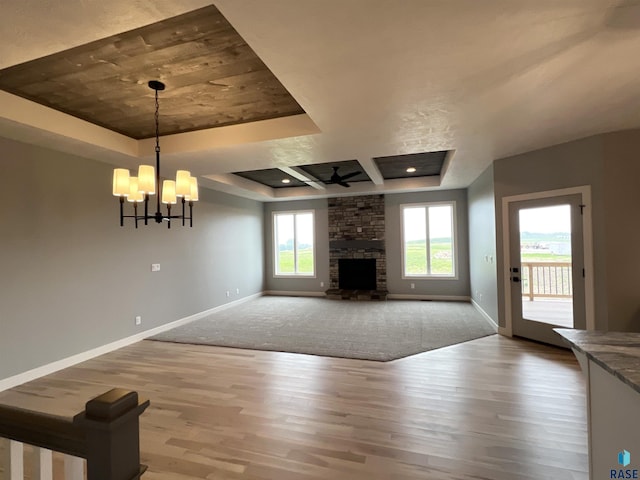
pixel 304 177
pixel 371 169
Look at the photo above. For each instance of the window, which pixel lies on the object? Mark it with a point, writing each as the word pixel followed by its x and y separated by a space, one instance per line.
pixel 293 237
pixel 428 240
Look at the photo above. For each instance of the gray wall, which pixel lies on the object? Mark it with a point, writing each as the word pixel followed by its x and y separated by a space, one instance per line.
pixel 482 243
pixel 622 227
pixel 300 284
pixel 568 165
pixel 73 279
pixel 395 284
pixel 393 239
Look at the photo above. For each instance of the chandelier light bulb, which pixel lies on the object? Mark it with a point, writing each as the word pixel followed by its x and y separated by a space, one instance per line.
pixel 135 195
pixel 183 185
pixel 121 182
pixel 147 179
pixel 169 192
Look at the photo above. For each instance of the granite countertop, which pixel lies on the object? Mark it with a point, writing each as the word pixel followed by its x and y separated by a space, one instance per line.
pixel 616 352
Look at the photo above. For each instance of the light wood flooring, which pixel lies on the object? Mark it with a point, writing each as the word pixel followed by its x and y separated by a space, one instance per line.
pixel 493 408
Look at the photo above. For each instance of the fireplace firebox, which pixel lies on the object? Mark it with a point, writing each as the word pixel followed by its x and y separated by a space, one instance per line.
pixel 357 273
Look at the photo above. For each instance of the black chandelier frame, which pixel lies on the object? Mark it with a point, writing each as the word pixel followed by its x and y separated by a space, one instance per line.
pixel 159 217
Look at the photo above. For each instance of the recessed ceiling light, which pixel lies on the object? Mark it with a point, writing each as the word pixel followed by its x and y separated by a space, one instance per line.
pixel 286 180
pixel 411 169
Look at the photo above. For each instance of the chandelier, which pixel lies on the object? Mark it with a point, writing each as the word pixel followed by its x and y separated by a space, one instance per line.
pixel 138 189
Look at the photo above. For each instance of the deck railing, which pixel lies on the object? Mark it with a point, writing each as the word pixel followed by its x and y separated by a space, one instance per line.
pixel 546 279
pixel 105 434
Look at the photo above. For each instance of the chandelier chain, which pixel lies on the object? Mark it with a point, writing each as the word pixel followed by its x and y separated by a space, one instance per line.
pixel 157 117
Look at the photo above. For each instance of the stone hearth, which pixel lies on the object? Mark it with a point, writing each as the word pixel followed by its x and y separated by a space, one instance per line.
pixel 343 294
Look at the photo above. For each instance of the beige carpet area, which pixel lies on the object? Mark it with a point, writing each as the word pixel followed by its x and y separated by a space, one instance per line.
pixel 372 330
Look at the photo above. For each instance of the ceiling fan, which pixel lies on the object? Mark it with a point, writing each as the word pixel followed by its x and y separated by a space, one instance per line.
pixel 341 179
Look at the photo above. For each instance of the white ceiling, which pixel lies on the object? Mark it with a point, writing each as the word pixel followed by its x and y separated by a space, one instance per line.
pixel 487 79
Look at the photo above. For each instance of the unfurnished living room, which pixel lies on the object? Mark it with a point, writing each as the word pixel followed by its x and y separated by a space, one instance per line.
pixel 350 239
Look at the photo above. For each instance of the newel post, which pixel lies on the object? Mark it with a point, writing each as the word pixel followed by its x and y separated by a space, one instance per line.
pixel 111 426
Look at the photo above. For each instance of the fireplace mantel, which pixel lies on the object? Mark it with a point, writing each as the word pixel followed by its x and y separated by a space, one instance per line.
pixel 358 244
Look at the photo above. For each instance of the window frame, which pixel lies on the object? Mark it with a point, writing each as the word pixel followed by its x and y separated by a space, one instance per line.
pixel 274 239
pixel 454 241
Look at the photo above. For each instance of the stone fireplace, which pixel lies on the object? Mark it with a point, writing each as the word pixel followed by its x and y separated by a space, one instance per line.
pixel 356 232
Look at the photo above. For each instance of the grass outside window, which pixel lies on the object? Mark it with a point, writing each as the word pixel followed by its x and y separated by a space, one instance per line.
pixel 429 240
pixel 293 236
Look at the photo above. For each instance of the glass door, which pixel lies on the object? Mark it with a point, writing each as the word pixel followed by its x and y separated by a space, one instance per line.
pixel 546 271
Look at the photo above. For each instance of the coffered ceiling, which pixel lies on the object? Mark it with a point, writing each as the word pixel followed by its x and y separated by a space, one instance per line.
pixel 308 83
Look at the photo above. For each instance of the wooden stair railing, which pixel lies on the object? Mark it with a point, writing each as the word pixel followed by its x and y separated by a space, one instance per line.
pixel 106 434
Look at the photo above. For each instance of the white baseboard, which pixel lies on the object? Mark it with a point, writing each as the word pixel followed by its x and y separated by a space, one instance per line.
pixel 485 315
pixel 293 293
pixel 38 372
pixel 444 298
pixel 505 331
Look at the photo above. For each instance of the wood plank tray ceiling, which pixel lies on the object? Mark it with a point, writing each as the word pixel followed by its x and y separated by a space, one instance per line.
pixel 213 78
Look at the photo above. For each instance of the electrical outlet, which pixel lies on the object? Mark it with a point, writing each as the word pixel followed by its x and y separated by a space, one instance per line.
pixel 228 294
pixel 322 284
pixel 138 320
pixel 413 285
pixel 237 291
pixel 155 267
